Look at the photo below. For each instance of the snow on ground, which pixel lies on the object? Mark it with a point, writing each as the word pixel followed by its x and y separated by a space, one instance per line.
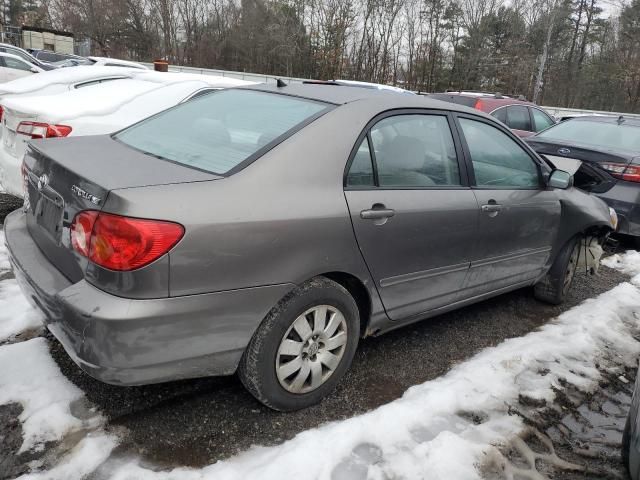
pixel 442 429
pixel 16 316
pixel 30 377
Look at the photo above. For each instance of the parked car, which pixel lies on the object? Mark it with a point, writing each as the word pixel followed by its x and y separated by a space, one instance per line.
pixel 61 80
pixel 13 67
pixel 55 58
pixel 227 234
pixel 613 145
pixel 114 62
pixel 631 436
pixel 24 55
pixel 103 107
pixel 524 118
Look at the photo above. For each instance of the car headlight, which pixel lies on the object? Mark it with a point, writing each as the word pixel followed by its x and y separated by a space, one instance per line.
pixel 613 218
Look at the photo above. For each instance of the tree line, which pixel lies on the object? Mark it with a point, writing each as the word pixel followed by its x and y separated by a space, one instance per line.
pixel 573 53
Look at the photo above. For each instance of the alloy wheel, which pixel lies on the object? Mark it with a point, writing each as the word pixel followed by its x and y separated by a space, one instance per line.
pixel 311 349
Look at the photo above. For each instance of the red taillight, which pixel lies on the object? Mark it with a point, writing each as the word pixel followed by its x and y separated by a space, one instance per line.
pixel 478 105
pixel 1 112
pixel 630 173
pixel 122 243
pixel 37 130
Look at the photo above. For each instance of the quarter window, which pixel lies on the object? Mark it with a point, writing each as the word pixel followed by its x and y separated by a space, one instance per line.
pixel 541 120
pixel 361 171
pixel 498 161
pixel 415 151
pixel 501 114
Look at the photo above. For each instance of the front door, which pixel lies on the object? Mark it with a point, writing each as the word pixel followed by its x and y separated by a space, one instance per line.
pixel 414 216
pixel 519 216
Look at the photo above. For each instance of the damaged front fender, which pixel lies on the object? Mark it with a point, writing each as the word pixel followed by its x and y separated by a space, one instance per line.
pixel 585 215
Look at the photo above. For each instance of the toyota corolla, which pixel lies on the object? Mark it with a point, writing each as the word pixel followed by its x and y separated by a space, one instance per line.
pixel 266 230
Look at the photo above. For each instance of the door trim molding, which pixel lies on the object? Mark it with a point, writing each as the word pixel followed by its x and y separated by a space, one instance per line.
pixel 511 256
pixel 421 275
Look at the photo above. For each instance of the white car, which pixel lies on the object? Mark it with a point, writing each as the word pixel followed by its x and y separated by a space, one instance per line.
pixel 64 79
pixel 26 56
pixel 13 67
pixel 114 62
pixel 98 109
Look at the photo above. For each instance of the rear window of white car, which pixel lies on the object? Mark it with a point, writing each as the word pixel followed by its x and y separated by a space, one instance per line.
pixel 219 131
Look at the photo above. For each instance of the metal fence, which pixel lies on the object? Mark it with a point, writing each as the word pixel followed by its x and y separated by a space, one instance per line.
pixel 251 77
pixel 558 112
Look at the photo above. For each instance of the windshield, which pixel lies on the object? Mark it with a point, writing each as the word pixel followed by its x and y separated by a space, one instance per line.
pixel 612 136
pixel 217 132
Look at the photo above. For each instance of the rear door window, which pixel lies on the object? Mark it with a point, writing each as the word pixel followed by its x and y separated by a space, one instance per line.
pixel 518 118
pixel 219 131
pixel 415 151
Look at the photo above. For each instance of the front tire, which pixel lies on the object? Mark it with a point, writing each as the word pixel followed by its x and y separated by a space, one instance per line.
pixel 555 285
pixel 303 347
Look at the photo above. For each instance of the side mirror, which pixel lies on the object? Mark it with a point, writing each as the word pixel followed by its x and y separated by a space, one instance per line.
pixel 34 70
pixel 560 179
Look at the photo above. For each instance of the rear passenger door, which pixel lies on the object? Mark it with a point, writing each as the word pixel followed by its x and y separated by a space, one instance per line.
pixel 413 213
pixel 519 215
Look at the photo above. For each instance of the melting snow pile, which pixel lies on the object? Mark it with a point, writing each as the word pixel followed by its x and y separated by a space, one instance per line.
pixel 442 429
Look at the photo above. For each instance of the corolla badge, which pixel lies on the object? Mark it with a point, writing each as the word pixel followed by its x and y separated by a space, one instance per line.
pixel 43 181
pixel 86 195
pixel 564 151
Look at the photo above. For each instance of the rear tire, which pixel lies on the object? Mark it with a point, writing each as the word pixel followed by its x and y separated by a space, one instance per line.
pixel 555 285
pixel 303 347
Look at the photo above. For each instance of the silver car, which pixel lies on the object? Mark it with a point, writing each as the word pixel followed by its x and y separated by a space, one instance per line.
pixel 266 230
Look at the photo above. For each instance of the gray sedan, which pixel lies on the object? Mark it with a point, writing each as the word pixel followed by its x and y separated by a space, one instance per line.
pixel 266 230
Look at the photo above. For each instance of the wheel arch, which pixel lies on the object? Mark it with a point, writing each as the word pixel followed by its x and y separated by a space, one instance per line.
pixel 360 293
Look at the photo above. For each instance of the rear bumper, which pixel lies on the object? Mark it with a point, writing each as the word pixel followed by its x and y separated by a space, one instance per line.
pixel 132 342
pixel 624 198
pixel 10 176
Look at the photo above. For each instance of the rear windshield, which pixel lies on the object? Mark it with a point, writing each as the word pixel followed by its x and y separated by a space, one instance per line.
pixel 601 134
pixel 217 132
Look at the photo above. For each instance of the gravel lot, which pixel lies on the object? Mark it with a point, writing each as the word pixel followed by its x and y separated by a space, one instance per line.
pixel 197 422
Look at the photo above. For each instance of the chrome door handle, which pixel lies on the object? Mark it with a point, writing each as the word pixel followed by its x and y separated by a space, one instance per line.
pixel 377 213
pixel 492 207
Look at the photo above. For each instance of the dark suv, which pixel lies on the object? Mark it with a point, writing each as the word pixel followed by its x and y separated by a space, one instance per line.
pixel 522 117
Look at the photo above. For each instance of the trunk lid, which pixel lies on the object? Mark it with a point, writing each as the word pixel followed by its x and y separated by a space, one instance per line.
pixel 74 174
pixel 586 153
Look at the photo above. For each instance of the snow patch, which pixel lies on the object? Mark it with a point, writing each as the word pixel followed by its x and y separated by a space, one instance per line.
pixel 16 315
pixel 30 377
pixel 83 459
pixel 628 262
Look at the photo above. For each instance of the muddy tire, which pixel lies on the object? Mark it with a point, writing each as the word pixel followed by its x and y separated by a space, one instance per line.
pixel 303 347
pixel 555 285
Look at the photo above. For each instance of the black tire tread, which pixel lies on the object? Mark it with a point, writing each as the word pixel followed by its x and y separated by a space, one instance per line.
pixel 549 289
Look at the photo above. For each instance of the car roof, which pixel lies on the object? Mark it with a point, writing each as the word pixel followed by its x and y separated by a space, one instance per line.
pixel 340 94
pixel 619 119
